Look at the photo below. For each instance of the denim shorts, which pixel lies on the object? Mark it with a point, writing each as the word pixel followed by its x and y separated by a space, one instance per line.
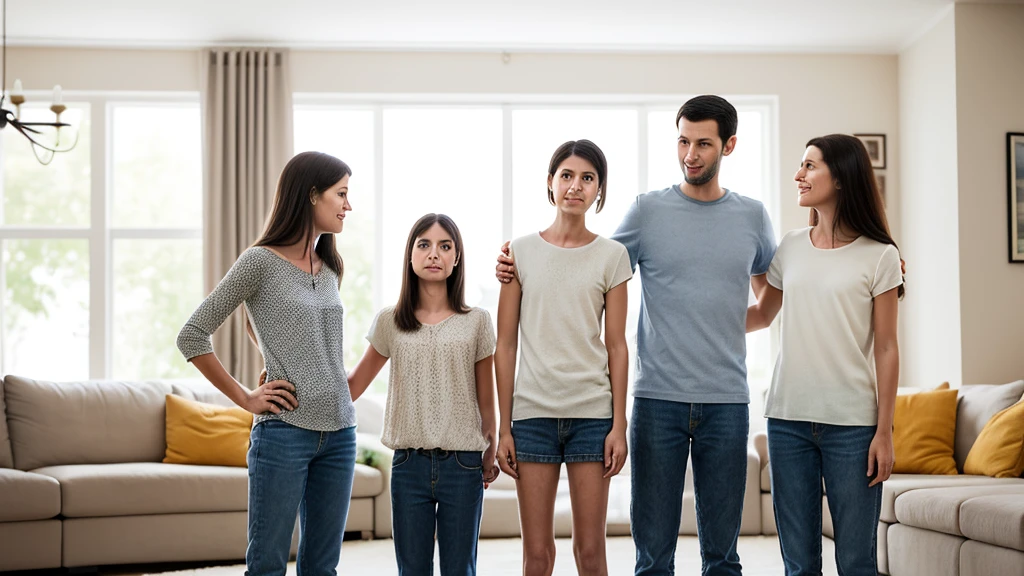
pixel 557 440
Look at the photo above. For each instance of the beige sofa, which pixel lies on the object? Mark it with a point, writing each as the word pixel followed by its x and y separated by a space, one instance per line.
pixel 943 525
pixel 82 482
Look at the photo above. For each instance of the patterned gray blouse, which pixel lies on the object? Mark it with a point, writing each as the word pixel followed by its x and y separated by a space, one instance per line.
pixel 299 331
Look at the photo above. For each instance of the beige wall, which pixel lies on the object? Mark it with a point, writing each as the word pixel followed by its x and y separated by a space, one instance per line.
pixel 90 69
pixel 817 94
pixel 930 314
pixel 990 103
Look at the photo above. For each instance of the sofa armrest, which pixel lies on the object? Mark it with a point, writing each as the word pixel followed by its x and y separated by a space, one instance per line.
pixel 382 501
pixel 760 441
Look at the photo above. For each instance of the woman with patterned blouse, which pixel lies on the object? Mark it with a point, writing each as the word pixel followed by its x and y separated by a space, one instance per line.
pixel 302 449
pixel 440 416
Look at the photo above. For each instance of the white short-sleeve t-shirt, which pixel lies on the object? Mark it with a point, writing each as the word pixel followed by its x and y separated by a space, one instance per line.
pixel 563 363
pixel 826 371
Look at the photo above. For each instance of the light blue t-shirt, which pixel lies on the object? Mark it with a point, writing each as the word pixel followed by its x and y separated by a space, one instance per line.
pixel 696 259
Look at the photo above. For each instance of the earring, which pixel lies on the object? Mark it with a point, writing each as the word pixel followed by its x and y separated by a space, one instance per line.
pixel 313 201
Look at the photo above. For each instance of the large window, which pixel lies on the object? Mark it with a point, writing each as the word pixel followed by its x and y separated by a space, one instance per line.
pixel 485 164
pixel 102 259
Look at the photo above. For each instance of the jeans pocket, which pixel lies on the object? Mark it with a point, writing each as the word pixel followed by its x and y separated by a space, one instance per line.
pixel 470 460
pixel 401 457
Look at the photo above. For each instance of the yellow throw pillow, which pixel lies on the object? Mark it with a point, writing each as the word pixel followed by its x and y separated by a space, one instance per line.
pixel 207 434
pixel 999 449
pixel 924 428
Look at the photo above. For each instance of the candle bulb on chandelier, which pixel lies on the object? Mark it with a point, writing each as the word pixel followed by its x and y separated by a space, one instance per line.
pixel 18 90
pixel 58 97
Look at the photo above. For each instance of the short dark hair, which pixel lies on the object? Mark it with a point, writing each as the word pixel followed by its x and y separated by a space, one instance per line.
pixel 858 202
pixel 408 299
pixel 709 107
pixel 591 153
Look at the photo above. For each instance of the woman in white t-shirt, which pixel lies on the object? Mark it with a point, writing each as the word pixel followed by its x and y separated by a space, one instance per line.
pixel 569 398
pixel 830 407
pixel 439 418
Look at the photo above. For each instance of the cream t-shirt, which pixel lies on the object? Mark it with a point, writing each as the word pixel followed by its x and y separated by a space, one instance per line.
pixel 432 400
pixel 825 372
pixel 563 363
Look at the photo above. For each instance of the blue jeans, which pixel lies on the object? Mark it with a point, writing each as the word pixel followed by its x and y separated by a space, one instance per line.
pixel 661 436
pixel 442 490
pixel 294 470
pixel 800 455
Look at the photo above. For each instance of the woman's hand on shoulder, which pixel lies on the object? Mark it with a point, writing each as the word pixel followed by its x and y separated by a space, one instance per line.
pixel 505 270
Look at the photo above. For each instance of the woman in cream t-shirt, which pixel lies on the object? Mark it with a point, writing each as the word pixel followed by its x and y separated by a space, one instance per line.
pixel 830 407
pixel 568 400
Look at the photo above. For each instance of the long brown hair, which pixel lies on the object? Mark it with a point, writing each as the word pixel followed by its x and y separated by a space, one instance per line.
pixel 305 177
pixel 405 311
pixel 858 203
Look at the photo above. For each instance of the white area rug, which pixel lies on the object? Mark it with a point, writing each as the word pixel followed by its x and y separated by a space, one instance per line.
pixel 759 555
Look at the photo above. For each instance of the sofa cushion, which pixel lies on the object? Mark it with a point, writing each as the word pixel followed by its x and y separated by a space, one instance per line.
pixel 942 509
pixel 6 459
pixel 89 490
pixel 148 488
pixel 995 519
pixel 27 496
pixel 999 449
pixel 899 484
pixel 924 426
pixel 977 404
pixel 980 559
pixel 90 422
pixel 368 482
pixel 206 434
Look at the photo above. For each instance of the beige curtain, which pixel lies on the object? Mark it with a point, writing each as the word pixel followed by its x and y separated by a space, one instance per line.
pixel 247 139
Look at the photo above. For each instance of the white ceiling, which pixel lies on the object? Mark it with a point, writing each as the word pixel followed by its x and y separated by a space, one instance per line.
pixel 869 26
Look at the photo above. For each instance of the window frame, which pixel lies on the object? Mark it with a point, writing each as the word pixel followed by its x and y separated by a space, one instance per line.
pixel 99 233
pixel 767 105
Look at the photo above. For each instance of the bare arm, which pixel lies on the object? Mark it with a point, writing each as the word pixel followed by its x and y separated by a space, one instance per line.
pixel 488 419
pixel 366 370
pixel 769 301
pixel 616 304
pixel 505 370
pixel 273 397
pixel 758 283
pixel 881 456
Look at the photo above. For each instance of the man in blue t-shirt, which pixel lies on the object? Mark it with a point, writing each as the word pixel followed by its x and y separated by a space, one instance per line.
pixel 699 247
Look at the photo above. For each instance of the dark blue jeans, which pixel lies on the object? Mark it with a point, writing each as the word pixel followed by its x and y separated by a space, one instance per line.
pixel 662 435
pixel 442 490
pixel 800 455
pixel 294 470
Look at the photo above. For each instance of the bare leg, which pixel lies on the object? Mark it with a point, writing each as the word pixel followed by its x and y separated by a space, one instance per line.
pixel 536 488
pixel 589 493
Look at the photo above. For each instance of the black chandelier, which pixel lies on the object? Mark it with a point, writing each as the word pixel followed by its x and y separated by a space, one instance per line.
pixel 44 137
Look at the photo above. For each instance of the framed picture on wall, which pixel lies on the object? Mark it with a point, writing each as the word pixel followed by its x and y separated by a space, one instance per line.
pixel 875 143
pixel 1015 194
